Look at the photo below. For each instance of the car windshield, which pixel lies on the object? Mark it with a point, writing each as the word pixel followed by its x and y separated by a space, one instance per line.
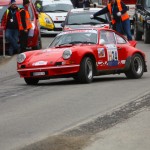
pixel 84 18
pixel 75 37
pixel 2 10
pixel 57 8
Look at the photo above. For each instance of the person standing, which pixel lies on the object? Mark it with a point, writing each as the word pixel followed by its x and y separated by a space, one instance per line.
pixel 24 25
pixel 119 16
pixel 10 21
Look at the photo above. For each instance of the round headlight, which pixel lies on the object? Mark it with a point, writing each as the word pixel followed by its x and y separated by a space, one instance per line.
pixel 21 57
pixel 67 53
pixel 47 20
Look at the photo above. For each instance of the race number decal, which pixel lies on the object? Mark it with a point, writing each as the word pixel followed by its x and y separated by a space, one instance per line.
pixel 112 55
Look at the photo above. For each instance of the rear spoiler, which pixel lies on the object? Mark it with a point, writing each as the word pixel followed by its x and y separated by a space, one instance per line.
pixel 133 43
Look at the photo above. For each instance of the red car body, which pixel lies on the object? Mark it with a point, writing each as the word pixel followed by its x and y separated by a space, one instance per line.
pixel 83 59
pixel 33 42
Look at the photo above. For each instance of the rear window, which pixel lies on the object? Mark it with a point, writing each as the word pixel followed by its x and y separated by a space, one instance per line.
pixel 84 18
pixel 57 7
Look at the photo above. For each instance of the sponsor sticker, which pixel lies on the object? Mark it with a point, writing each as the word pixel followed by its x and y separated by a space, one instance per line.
pixel 112 55
pixel 39 63
pixel 101 52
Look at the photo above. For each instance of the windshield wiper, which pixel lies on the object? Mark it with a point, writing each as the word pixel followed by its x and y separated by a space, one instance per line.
pixel 91 23
pixel 74 24
pixel 64 44
pixel 47 11
pixel 83 42
pixel 60 10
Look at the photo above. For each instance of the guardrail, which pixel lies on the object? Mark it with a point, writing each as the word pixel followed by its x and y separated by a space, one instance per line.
pixel 2 35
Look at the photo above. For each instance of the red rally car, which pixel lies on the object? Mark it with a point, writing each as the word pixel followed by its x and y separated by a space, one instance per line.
pixel 83 54
pixel 34 42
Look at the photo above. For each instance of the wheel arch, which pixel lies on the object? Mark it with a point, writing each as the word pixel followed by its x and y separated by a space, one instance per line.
pixel 128 61
pixel 93 60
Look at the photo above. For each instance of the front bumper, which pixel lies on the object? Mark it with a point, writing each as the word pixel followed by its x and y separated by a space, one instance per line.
pixel 48 71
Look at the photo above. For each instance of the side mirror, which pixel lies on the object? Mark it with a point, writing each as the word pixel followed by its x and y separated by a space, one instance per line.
pixel 102 41
pixel 63 24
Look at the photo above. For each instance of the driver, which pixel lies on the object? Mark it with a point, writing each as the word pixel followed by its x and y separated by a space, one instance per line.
pixel 119 16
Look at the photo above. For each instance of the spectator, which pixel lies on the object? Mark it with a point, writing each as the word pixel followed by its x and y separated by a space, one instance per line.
pixel 10 21
pixel 119 16
pixel 25 25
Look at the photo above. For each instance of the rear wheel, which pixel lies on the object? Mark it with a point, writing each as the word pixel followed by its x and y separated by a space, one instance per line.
pixel 137 33
pixel 136 67
pixel 85 74
pixel 31 81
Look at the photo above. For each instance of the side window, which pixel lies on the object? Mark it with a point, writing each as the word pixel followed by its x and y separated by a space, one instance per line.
pixel 108 37
pixel 120 40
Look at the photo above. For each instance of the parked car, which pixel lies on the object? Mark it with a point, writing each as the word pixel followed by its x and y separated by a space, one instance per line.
pixel 80 18
pixel 33 42
pixel 83 54
pixel 57 10
pixel 45 20
pixel 142 20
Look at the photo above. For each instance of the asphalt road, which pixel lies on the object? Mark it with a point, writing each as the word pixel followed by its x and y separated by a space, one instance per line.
pixel 32 113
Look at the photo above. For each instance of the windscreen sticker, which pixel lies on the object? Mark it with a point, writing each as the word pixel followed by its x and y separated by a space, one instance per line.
pixel 112 55
pixel 79 31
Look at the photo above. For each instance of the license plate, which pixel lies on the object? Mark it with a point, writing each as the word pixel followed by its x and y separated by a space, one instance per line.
pixel 38 73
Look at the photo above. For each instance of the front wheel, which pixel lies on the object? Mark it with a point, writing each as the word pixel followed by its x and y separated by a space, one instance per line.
pixel 85 74
pixel 31 81
pixel 136 67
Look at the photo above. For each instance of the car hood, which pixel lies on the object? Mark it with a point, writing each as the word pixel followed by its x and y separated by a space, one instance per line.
pixel 50 56
pixel 57 16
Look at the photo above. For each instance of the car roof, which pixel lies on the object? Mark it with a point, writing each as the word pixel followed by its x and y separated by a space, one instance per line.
pixel 78 10
pixel 90 28
pixel 56 2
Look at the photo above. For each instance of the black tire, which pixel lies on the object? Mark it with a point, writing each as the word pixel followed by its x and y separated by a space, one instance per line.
pixel 146 35
pixel 31 81
pixel 85 74
pixel 137 33
pixel 136 67
pixel 39 44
